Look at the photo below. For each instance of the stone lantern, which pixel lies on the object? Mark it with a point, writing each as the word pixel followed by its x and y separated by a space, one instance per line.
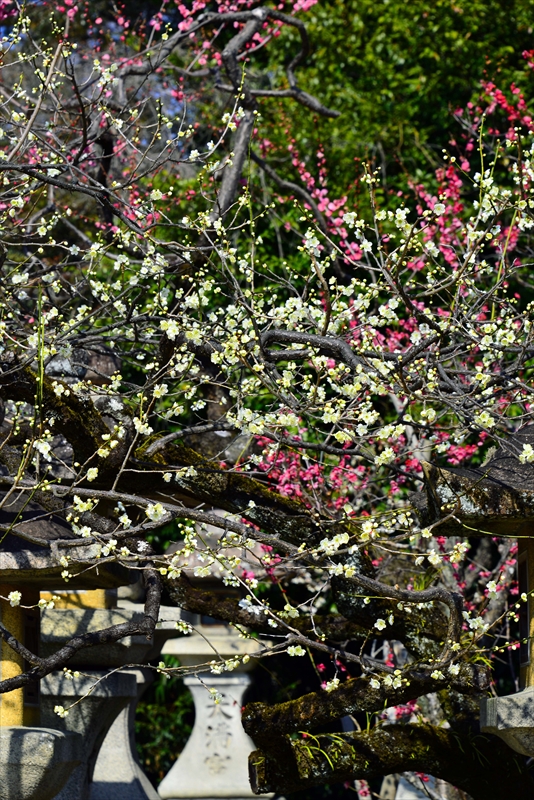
pixel 214 762
pixel 89 602
pixel 36 758
pixel 496 498
pixel 106 715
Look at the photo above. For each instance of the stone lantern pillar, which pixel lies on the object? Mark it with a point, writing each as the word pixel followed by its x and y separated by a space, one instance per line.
pixel 105 716
pixel 118 773
pixel 214 762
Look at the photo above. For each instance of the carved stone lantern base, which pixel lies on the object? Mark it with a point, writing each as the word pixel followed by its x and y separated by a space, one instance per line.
pixel 214 761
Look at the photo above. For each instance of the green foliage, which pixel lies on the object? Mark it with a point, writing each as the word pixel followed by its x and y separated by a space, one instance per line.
pixel 163 724
pixel 397 71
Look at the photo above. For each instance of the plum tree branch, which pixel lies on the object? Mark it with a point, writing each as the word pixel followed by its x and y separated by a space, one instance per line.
pixel 312 761
pixel 265 724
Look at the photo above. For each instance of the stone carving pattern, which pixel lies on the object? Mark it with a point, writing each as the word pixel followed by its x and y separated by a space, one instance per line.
pixel 219 737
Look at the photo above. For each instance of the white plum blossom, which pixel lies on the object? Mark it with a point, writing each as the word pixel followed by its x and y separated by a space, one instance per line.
pixel 69 674
pixel 330 546
pixel 311 243
pixel 296 650
pixel 43 448
pixel 160 390
pixel 183 627
pixel 215 696
pixel 289 611
pixel 14 598
pixel 458 552
pixel 385 457
pixel 527 454
pixel 350 219
pixel 83 505
pixel 142 427
pixel 155 511
pixel 171 328
pixel 331 685
pixel 484 419
pixel 476 624
pixel 109 547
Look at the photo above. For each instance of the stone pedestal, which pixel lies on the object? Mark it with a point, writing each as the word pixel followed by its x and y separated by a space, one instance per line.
pixel 511 718
pixel 36 762
pixel 111 764
pixel 214 761
pixel 92 717
pixel 118 774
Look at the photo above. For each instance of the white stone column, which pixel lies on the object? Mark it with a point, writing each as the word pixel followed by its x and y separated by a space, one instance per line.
pixel 214 763
pixel 118 774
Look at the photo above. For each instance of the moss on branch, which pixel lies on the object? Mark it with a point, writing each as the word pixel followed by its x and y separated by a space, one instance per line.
pixel 75 416
pixel 237 493
pixel 265 724
pixel 482 766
